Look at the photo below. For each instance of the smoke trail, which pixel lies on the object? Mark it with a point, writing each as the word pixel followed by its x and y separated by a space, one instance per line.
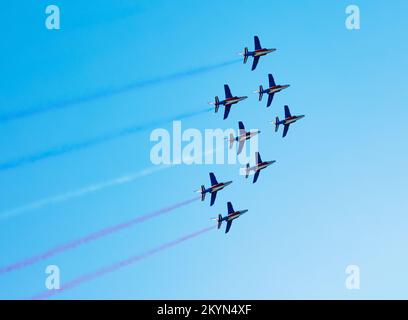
pixel 83 191
pixel 63 149
pixel 80 192
pixel 92 237
pixel 114 267
pixel 108 92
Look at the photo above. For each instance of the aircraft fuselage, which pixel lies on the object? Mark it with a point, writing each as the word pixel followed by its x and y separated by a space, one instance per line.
pixel 262 165
pixel 246 136
pixel 234 215
pixel 275 89
pixel 233 100
pixel 291 119
pixel 260 52
pixel 218 187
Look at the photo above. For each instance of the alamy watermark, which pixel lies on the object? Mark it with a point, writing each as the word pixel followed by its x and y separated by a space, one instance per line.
pixel 53 281
pixel 353 17
pixel 353 277
pixel 52 20
pixel 191 146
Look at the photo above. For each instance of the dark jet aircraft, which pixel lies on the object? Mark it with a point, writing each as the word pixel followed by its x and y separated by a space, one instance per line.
pixel 232 214
pixel 287 121
pixel 258 167
pixel 242 137
pixel 257 53
pixel 228 102
pixel 215 187
pixel 273 88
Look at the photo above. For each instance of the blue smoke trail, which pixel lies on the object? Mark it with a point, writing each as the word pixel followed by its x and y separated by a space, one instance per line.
pixel 111 92
pixel 63 149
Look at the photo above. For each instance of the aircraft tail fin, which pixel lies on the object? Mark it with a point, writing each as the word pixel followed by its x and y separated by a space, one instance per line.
pixel 247 171
pixel 260 92
pixel 219 221
pixel 276 124
pixel 245 55
pixel 202 193
pixel 231 140
pixel 216 103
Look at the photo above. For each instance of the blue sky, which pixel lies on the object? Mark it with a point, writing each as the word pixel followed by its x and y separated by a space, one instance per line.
pixel 336 196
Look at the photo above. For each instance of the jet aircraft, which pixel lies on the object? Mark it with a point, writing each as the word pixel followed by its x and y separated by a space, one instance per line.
pixel 260 165
pixel 287 121
pixel 242 137
pixel 232 214
pixel 273 88
pixel 228 102
pixel 257 53
pixel 213 189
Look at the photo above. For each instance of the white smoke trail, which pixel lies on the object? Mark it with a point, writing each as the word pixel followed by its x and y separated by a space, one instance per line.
pixel 80 192
pixel 66 196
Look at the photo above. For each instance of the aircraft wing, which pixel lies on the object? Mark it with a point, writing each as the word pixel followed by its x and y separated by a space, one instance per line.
pixel 258 158
pixel 227 91
pixel 285 130
pixel 230 208
pixel 213 179
pixel 271 80
pixel 270 98
pixel 229 223
pixel 213 196
pixel 287 112
pixel 257 43
pixel 241 128
pixel 256 176
pixel 255 63
pixel 241 146
pixel 227 111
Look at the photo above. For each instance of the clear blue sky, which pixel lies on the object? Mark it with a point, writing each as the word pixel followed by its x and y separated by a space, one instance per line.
pixel 336 196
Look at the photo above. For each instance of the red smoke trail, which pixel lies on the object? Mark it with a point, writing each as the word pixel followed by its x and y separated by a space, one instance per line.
pixel 91 237
pixel 118 265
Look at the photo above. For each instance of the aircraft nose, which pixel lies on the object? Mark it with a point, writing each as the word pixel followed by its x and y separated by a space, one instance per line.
pixel 244 97
pixel 228 183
